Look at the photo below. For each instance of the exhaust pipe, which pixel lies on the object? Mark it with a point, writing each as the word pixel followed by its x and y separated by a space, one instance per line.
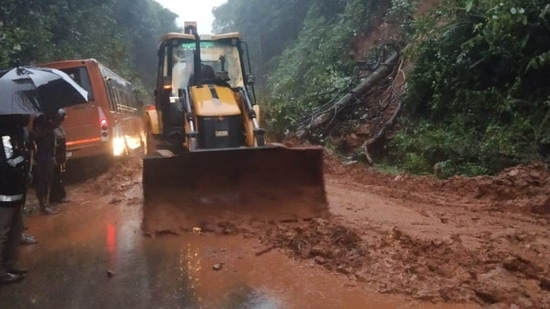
pixel 191 28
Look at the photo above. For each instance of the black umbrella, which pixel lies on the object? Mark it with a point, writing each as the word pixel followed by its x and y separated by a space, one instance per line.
pixel 35 90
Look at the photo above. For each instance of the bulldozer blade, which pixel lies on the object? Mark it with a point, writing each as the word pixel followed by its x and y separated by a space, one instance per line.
pixel 208 189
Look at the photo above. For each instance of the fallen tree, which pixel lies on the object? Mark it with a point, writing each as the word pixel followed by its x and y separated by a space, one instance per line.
pixel 323 117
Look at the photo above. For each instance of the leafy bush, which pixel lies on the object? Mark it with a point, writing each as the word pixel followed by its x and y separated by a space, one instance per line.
pixel 315 68
pixel 478 94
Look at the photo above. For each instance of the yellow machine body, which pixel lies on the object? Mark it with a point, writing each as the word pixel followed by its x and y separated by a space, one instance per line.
pixel 213 164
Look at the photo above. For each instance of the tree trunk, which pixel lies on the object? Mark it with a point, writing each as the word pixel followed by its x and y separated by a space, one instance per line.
pixel 360 90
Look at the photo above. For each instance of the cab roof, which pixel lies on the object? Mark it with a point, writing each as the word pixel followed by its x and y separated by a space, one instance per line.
pixel 204 37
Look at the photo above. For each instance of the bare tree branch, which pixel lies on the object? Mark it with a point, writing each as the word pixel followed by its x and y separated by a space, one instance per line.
pixel 320 119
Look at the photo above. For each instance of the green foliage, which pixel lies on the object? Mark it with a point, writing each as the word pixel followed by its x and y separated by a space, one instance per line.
pixel 315 69
pixel 387 169
pixel 298 48
pixel 424 147
pixel 478 98
pixel 480 81
pixel 123 34
pixel 400 8
pixel 266 25
pixel 401 12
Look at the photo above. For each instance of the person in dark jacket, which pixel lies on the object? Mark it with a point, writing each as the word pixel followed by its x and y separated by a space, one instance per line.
pixel 57 189
pixel 14 174
pixel 27 239
pixel 44 139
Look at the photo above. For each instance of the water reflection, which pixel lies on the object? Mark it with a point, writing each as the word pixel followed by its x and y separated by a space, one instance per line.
pixel 248 298
pixel 194 288
pixel 189 264
pixel 111 244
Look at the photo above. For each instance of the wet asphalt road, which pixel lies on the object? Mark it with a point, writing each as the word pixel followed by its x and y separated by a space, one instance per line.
pixel 94 255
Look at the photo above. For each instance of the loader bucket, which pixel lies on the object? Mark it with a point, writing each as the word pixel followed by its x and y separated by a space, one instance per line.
pixel 207 189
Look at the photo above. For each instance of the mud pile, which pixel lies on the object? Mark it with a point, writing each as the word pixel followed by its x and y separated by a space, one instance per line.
pixel 119 175
pixel 448 271
pixel 525 188
pixel 333 246
pixel 478 240
pixel 481 240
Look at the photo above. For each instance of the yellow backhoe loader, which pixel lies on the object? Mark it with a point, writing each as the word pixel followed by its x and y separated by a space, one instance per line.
pixel 210 163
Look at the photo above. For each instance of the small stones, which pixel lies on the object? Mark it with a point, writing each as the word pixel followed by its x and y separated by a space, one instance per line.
pixel 110 273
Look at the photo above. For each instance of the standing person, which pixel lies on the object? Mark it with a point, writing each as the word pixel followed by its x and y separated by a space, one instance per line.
pixel 14 173
pixel 44 140
pixel 57 189
pixel 27 239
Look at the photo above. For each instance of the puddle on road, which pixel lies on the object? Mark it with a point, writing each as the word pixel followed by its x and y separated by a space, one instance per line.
pixel 246 280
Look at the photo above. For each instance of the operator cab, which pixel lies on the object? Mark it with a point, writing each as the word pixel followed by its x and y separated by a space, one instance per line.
pixel 201 78
pixel 219 56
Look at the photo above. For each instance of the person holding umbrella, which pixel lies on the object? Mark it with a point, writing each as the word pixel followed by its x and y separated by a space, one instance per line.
pixel 25 91
pixel 14 171
pixel 40 91
pixel 27 239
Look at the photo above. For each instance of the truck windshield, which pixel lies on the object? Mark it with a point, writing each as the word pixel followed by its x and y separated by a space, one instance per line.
pixel 212 53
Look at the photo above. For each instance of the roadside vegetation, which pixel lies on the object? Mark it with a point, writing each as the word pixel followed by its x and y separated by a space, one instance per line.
pixel 122 34
pixel 476 98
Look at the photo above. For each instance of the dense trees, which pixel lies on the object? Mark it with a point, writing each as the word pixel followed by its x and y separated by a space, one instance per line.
pixel 300 49
pixel 267 25
pixel 123 34
pixel 477 98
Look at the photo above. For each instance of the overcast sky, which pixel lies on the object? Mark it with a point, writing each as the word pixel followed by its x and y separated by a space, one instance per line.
pixel 193 10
